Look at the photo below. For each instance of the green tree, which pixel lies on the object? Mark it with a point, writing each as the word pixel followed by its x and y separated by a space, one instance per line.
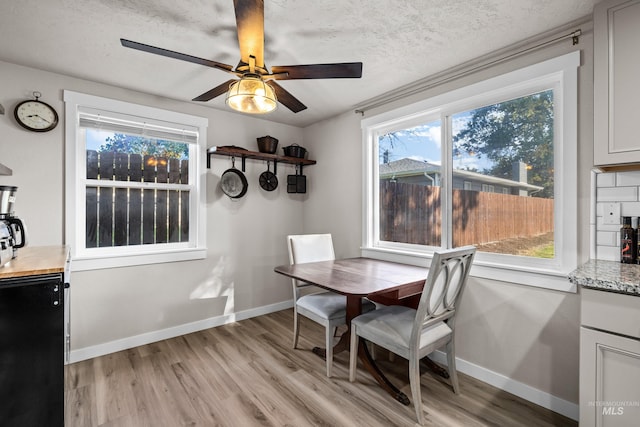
pixel 131 144
pixel 517 130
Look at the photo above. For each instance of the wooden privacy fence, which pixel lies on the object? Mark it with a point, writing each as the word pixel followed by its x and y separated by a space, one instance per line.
pixel 126 215
pixel 410 213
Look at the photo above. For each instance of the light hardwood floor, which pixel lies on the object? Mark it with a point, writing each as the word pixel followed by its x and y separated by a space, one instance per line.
pixel 247 374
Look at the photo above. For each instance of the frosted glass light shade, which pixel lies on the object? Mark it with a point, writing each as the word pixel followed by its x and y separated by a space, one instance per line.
pixel 251 95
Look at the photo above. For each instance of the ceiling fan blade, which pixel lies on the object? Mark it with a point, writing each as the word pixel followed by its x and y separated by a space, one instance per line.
pixel 345 70
pixel 250 23
pixel 216 91
pixel 286 99
pixel 176 55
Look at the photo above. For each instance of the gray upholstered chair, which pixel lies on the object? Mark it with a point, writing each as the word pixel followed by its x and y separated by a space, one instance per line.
pixel 413 334
pixel 326 308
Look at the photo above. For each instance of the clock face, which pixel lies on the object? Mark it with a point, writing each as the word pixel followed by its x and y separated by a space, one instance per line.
pixel 36 116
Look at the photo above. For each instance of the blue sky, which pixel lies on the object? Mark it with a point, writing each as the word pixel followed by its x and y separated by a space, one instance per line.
pixel 96 138
pixel 424 143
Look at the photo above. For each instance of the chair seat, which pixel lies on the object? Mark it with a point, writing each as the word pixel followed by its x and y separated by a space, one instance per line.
pixel 390 327
pixel 329 305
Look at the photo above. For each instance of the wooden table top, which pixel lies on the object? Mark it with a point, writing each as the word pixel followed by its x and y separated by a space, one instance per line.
pixel 34 260
pixel 357 276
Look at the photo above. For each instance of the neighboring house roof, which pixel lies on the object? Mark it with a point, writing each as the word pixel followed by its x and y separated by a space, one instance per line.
pixel 410 167
pixel 405 165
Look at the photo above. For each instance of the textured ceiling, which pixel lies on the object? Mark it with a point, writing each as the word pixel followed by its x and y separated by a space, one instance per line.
pixel 398 41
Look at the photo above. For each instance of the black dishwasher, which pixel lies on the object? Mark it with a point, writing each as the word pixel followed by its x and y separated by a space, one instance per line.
pixel 32 351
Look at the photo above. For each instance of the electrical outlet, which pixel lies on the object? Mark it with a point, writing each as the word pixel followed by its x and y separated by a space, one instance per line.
pixel 611 214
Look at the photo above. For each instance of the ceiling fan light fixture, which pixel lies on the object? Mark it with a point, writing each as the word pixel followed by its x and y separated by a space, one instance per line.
pixel 251 95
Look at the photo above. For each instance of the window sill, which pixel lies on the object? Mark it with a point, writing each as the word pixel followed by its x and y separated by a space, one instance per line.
pixel 505 273
pixel 84 263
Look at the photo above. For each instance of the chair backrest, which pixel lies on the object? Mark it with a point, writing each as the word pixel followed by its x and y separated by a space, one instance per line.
pixel 443 288
pixel 310 248
pixel 305 248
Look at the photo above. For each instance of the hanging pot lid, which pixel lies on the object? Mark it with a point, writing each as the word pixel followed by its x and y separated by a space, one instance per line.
pixel 233 182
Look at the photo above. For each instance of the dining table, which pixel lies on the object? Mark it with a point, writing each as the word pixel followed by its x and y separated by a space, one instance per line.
pixel 384 282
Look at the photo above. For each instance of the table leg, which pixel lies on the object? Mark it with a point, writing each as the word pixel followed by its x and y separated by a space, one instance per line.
pixel 372 368
pixel 427 362
pixel 354 308
pixel 341 345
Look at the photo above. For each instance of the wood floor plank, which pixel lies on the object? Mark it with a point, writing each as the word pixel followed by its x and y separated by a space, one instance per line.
pixel 150 393
pixel 275 404
pixel 113 375
pixel 278 378
pixel 247 374
pixel 79 404
pixel 81 376
pixel 198 390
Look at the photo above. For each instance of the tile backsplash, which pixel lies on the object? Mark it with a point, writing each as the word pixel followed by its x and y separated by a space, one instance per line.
pixel 615 187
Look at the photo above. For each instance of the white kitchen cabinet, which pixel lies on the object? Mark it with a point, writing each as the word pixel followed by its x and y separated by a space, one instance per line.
pixel 609 359
pixel 616 86
pixel 609 379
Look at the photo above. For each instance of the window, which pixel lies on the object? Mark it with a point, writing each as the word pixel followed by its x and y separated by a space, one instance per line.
pixel 514 138
pixel 133 193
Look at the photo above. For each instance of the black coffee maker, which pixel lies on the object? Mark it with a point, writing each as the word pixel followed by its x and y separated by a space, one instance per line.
pixel 12 231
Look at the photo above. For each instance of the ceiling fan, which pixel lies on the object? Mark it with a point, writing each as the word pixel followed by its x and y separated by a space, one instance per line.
pixel 257 90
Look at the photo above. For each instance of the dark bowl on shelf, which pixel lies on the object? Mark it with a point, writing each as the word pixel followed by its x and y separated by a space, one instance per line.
pixel 267 144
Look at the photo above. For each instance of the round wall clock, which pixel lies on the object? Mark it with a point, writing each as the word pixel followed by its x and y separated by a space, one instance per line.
pixel 36 115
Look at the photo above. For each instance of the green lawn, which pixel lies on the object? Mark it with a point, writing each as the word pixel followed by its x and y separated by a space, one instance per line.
pixel 545 251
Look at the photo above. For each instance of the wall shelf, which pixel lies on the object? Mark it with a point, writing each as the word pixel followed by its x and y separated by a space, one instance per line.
pixel 233 151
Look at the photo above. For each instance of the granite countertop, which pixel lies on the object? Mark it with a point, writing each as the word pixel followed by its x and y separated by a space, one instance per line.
pixel 608 276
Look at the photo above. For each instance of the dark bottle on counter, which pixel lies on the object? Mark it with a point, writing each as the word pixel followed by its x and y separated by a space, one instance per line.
pixel 628 242
pixel 638 241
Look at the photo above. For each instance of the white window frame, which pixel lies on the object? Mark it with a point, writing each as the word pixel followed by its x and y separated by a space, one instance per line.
pixel 75 187
pixel 559 73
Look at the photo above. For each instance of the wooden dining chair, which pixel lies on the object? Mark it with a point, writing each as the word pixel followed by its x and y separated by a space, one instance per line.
pixel 412 333
pixel 323 307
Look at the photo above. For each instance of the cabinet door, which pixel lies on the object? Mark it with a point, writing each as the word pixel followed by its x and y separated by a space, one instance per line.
pixel 609 379
pixel 616 76
pixel 31 357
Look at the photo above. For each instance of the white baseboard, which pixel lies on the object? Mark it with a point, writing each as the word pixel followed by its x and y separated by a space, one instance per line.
pixel 533 395
pixel 149 337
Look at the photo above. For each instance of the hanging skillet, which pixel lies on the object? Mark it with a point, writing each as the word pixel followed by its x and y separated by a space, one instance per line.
pixel 268 180
pixel 233 182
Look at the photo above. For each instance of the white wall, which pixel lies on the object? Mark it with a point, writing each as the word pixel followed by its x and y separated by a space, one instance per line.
pixel 121 307
pixel 528 335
